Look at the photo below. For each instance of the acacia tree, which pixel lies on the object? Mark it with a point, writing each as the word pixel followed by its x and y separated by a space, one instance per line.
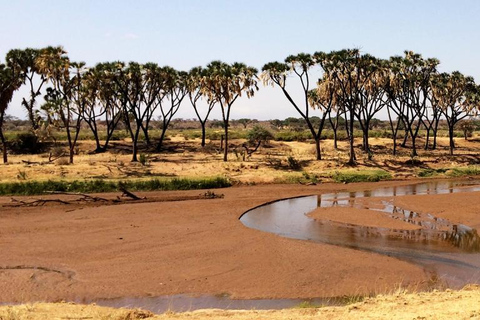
pixel 300 65
pixel 458 97
pixel 224 84
pixel 196 93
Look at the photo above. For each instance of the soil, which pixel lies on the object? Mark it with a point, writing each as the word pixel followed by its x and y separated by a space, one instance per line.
pixel 82 252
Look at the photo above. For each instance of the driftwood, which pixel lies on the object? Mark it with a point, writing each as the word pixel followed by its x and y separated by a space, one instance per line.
pixel 41 202
pixel 129 194
pixel 35 203
pixel 84 196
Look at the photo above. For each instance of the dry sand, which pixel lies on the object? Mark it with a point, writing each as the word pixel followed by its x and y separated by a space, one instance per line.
pixel 197 247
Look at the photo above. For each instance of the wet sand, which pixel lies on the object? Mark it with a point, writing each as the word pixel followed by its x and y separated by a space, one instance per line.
pixel 360 217
pixel 84 252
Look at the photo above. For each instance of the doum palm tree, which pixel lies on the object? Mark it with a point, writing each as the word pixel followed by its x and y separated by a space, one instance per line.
pixel 10 81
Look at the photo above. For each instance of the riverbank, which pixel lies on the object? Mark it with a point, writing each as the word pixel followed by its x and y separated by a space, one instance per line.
pixel 449 304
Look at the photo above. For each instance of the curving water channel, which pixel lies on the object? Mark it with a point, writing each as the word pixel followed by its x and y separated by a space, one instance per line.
pixel 451 251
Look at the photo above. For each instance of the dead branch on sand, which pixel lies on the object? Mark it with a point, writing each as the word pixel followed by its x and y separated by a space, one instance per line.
pixel 34 203
pixel 129 194
pixel 84 197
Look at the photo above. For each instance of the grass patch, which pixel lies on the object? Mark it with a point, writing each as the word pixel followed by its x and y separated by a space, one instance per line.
pixel 425 173
pixel 39 187
pixel 360 176
pixel 450 172
pixel 298 178
pixel 463 171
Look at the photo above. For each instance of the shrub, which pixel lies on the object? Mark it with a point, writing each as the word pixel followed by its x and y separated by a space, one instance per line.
pixel 360 176
pixel 259 134
pixel 143 159
pixel 293 163
pixel 27 143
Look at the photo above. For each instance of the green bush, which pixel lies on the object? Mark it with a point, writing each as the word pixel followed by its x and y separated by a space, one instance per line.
pixel 27 143
pixel 293 163
pixel 360 176
pixel 259 134
pixel 430 172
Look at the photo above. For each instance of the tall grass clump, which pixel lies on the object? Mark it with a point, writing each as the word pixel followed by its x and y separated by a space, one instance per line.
pixel 28 188
pixel 360 176
pixel 463 171
pixel 450 172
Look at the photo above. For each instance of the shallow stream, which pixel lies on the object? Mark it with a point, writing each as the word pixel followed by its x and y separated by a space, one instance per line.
pixel 451 251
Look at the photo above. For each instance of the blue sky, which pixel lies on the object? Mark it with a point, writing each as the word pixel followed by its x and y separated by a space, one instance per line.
pixel 187 33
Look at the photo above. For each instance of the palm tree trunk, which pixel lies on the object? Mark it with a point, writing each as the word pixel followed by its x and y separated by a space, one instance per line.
pixel 317 148
pixel 203 133
pixel 405 138
pixel 135 145
pixel 427 138
pixel 225 150
pixel 4 146
pixel 351 160
pixel 394 152
pixel 335 139
pixel 452 143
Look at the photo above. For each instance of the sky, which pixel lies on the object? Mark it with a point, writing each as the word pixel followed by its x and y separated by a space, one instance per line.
pixel 187 33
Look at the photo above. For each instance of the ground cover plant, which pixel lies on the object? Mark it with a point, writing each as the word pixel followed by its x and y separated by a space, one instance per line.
pixel 40 187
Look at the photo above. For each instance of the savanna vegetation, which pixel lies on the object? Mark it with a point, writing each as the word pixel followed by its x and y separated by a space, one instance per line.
pixel 342 94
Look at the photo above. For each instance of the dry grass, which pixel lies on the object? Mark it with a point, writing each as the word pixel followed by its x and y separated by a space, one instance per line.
pixel 449 304
pixel 186 159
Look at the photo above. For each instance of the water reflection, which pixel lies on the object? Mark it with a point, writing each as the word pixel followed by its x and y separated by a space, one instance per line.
pixel 436 239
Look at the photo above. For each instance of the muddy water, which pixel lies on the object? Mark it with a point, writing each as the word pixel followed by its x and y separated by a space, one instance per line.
pixel 449 250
